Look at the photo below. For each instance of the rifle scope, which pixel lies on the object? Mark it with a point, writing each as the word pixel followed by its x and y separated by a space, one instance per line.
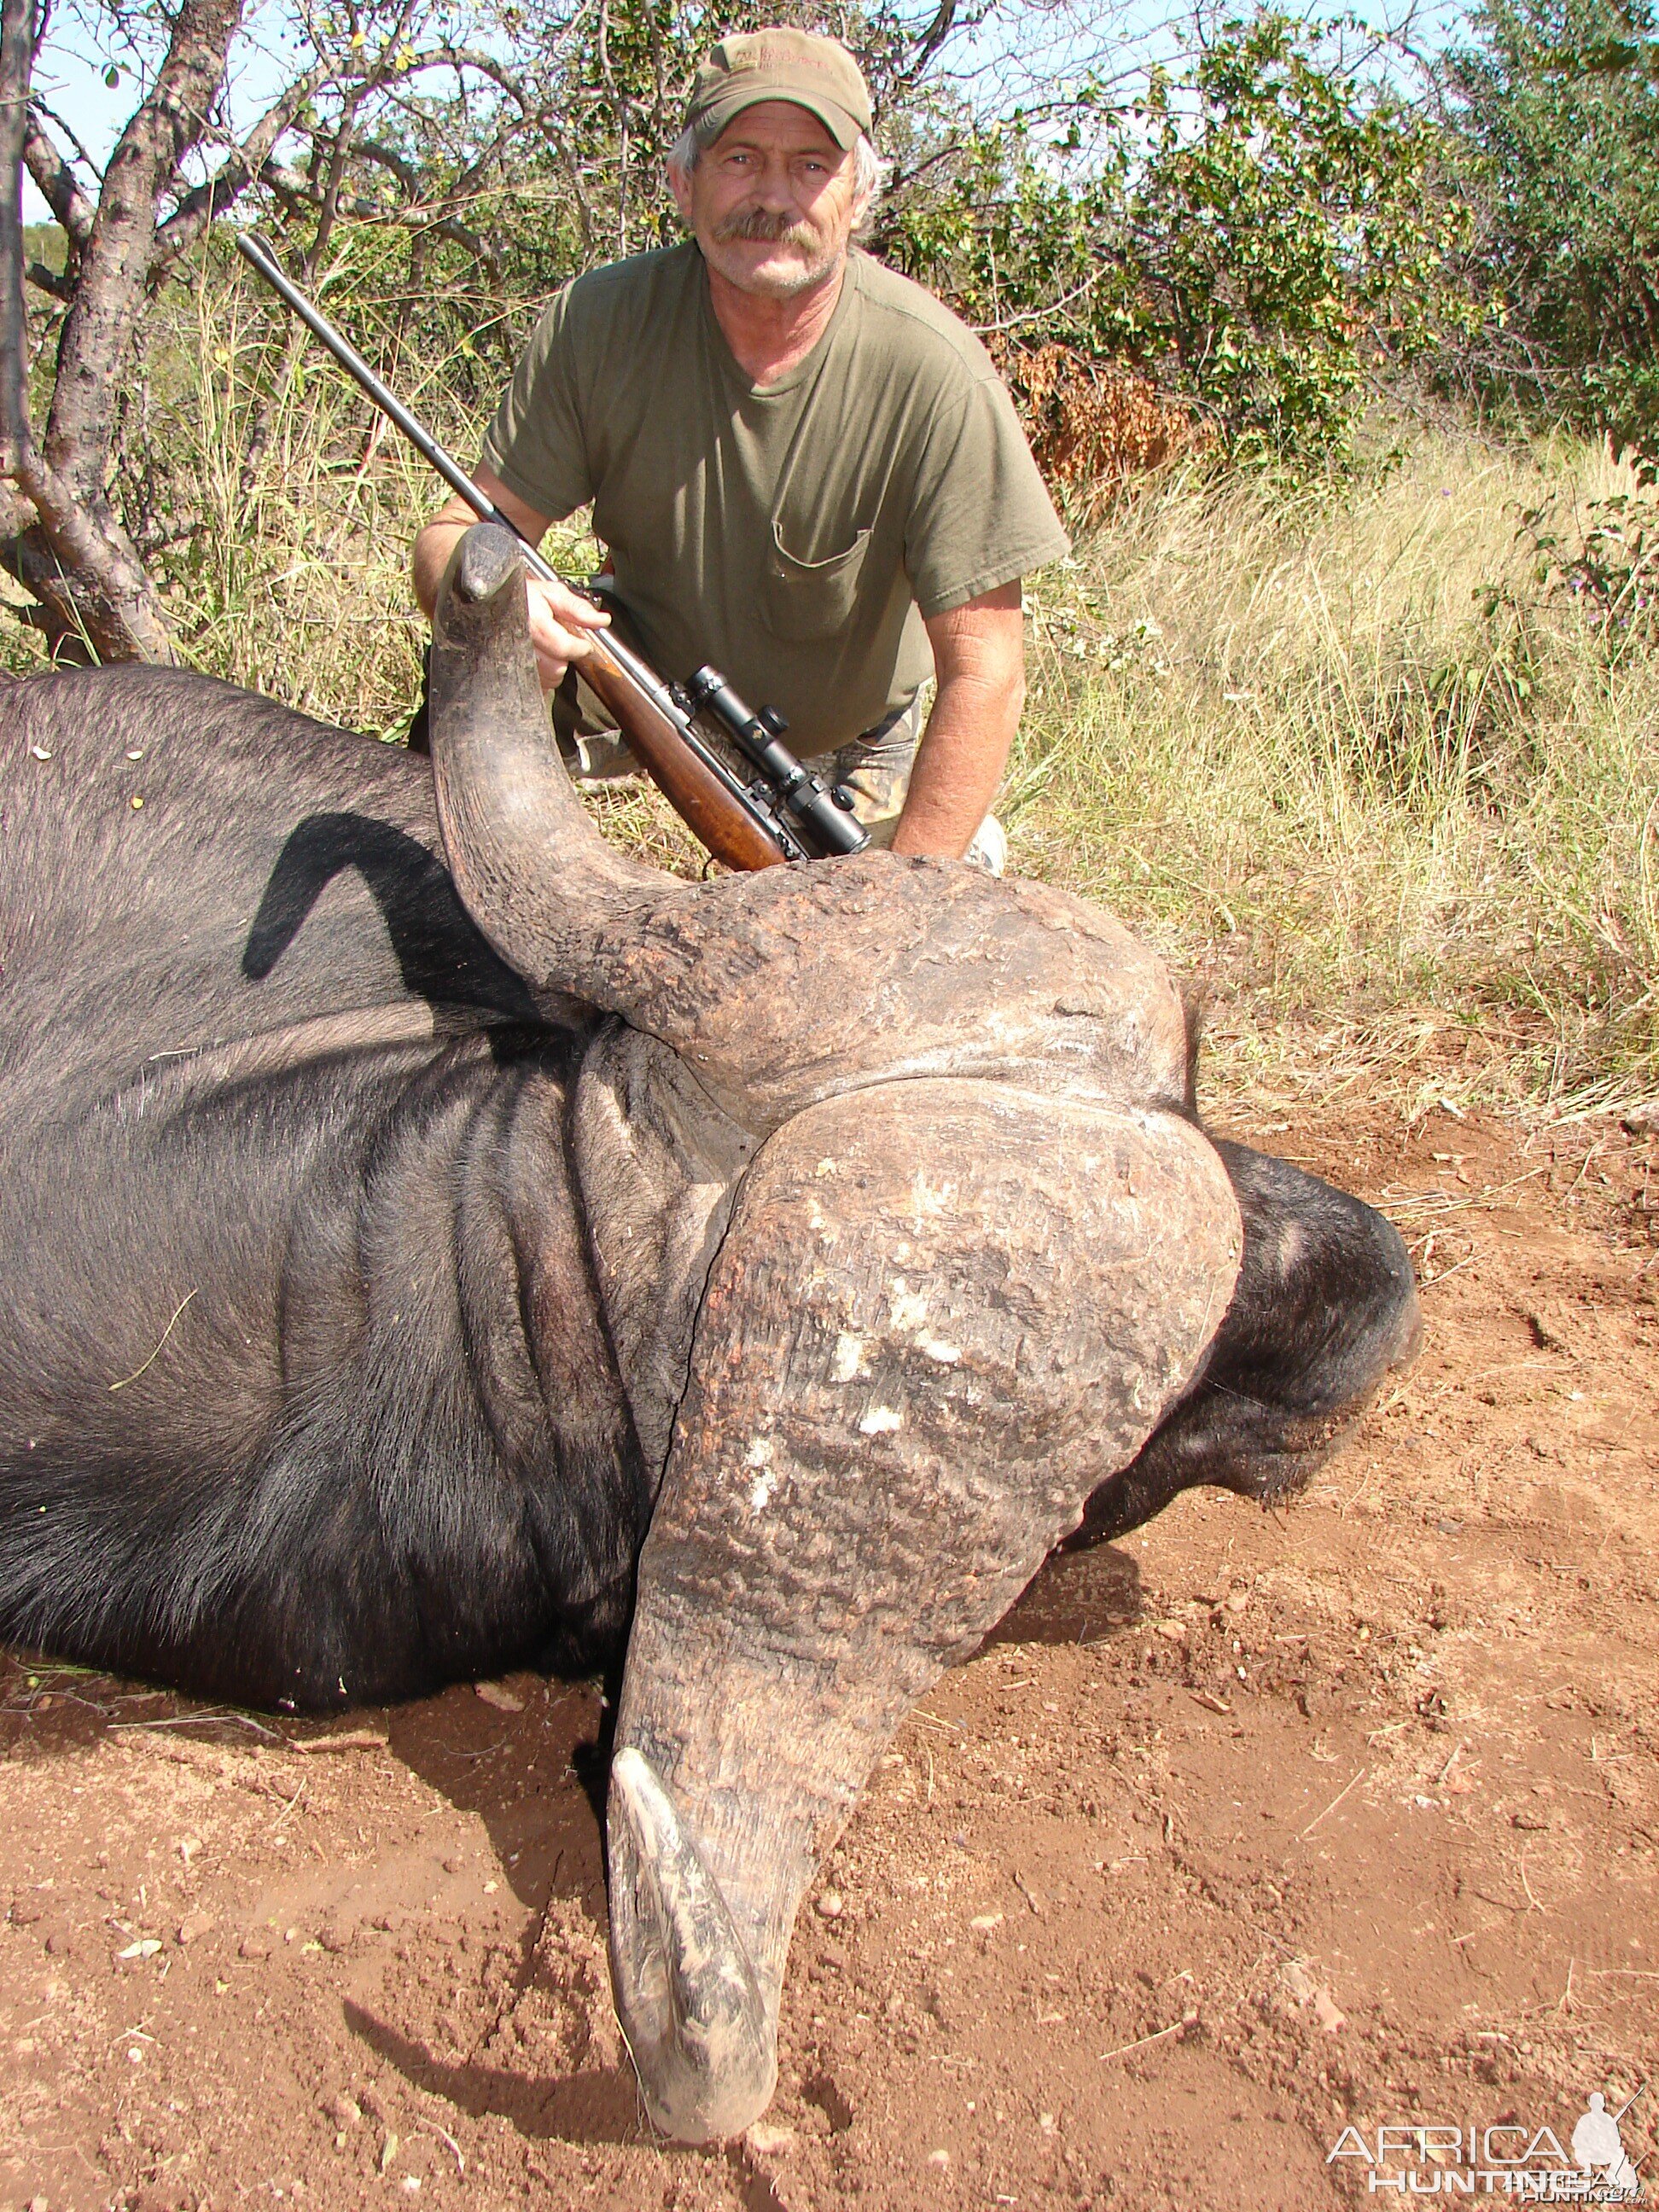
pixel 825 818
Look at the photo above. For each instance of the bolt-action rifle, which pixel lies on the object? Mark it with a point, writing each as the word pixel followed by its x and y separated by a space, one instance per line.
pixel 784 814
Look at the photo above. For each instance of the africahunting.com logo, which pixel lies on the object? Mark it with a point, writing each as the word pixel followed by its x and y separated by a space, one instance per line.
pixel 1509 2159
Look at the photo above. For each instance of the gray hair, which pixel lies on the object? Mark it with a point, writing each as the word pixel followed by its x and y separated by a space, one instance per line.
pixel 868 167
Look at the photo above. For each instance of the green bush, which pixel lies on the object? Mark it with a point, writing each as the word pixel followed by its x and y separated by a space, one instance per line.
pixel 1260 236
pixel 1555 109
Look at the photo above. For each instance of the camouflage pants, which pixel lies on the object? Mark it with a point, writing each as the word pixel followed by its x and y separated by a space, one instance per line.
pixel 875 768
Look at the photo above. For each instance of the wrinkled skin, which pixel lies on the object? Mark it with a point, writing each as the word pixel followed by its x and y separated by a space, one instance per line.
pixel 438 1243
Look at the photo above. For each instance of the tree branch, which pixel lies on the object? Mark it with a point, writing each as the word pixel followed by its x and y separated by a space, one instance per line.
pixel 92 591
pixel 388 158
pixel 91 585
pixel 328 198
pixel 44 112
pixel 55 182
pixel 241 167
pixel 461 58
pixel 931 41
pixel 115 265
pixel 16 66
pixel 432 214
pixel 296 191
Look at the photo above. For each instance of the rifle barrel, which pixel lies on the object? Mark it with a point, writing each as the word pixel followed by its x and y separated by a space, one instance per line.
pixel 1625 2107
pixel 254 249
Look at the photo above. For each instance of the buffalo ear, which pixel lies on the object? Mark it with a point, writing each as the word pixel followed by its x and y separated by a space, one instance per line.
pixel 535 874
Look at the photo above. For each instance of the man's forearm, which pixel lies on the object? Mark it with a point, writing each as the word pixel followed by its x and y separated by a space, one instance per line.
pixel 979 651
pixel 959 763
pixel 432 548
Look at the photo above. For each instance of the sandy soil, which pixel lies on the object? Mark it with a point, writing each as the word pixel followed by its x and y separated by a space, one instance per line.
pixel 1247 1829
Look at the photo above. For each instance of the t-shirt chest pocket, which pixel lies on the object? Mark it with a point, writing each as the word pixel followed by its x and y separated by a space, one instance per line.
pixel 811 599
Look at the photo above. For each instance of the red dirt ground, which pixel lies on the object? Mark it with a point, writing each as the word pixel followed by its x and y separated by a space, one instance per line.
pixel 1248 1828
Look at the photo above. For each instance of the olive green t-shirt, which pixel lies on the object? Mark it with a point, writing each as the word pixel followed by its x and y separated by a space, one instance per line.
pixel 795 533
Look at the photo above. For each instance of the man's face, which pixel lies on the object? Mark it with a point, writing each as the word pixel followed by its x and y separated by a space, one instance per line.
pixel 772 202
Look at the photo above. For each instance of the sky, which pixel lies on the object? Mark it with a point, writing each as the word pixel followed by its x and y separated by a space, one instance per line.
pixel 1023 53
pixel 79 53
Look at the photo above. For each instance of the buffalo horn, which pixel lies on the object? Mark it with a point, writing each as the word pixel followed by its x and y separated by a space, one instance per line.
pixel 868 1466
pixel 703 2037
pixel 537 877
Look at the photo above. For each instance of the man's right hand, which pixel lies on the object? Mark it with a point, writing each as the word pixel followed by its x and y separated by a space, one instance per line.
pixel 562 627
pixel 562 623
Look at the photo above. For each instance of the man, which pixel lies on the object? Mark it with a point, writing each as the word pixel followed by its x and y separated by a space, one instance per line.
pixel 804 468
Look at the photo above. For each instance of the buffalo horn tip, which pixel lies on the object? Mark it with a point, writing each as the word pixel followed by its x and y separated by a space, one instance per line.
pixel 487 557
pixel 702 2035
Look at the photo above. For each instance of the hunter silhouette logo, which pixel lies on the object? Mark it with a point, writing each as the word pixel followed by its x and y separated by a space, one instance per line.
pixel 1596 2143
pixel 1511 2159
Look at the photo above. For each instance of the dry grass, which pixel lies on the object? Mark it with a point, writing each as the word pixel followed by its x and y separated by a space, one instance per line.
pixel 1405 842
pixel 1388 793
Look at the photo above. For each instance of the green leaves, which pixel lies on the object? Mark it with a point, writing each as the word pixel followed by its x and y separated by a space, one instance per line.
pixel 1262 235
pixel 1555 107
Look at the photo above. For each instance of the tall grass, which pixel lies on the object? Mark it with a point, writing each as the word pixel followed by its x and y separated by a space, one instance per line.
pixel 1365 768
pixel 1349 760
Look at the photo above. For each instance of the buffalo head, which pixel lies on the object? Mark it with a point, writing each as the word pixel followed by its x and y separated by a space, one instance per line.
pixel 976 1247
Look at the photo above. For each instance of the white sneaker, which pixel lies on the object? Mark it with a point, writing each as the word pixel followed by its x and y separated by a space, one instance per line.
pixel 989 849
pixel 601 757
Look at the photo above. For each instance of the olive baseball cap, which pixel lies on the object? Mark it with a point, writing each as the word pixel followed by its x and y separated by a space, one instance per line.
pixel 815 73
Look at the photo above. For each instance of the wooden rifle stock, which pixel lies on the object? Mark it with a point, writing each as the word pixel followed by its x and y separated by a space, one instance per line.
pixel 694 792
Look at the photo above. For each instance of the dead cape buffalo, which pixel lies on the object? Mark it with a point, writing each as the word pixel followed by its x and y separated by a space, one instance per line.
pixel 434 1242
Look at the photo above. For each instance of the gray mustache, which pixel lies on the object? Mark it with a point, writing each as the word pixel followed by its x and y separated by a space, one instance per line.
pixel 757 223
